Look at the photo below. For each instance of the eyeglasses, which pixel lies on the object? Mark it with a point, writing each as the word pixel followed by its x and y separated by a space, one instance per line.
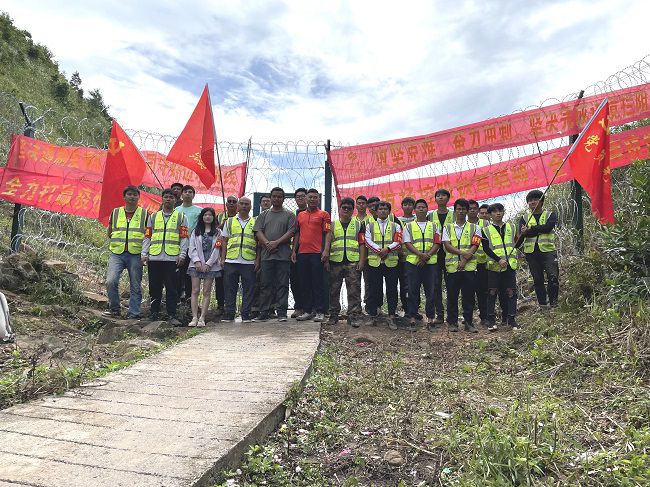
pixel 346 208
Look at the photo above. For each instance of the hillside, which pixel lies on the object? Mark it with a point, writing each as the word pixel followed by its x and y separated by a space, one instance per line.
pixel 30 74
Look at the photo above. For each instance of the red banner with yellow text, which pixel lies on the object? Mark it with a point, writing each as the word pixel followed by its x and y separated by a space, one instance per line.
pixel 58 193
pixel 507 177
pixel 368 161
pixel 87 164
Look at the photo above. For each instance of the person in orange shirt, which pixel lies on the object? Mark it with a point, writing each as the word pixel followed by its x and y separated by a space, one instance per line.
pixel 311 256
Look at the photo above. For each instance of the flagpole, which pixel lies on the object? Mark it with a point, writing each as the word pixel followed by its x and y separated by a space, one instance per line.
pixel 248 160
pixel 571 149
pixel 216 147
pixel 152 172
pixel 576 190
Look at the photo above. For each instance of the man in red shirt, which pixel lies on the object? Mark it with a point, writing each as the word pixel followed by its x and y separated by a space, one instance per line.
pixel 311 256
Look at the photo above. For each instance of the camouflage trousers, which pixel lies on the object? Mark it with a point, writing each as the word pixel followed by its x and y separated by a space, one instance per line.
pixel 352 277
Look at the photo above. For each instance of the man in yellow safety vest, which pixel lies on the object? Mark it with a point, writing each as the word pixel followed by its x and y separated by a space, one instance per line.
pixel 347 255
pixel 164 250
pixel 422 241
pixel 461 240
pixel 499 246
pixel 383 239
pixel 239 261
pixel 537 229
pixel 126 229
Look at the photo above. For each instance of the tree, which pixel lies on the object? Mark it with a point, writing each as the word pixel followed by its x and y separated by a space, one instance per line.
pixel 75 82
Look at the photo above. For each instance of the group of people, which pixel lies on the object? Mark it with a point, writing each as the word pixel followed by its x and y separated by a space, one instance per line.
pixel 470 249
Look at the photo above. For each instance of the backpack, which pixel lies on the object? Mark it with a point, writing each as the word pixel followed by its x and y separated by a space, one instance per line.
pixel 6 333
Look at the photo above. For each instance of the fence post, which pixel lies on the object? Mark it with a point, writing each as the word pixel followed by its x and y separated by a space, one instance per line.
pixel 328 180
pixel 17 220
pixel 576 196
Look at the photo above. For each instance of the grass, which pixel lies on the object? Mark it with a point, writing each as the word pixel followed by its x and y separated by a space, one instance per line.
pixel 24 377
pixel 563 402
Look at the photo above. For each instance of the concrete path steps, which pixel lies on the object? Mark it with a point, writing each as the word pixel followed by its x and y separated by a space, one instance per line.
pixel 174 419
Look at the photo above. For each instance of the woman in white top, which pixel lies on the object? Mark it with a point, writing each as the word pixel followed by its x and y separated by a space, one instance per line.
pixel 205 262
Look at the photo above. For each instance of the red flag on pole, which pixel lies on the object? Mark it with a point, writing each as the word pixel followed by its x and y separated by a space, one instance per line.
pixel 194 148
pixel 589 160
pixel 124 166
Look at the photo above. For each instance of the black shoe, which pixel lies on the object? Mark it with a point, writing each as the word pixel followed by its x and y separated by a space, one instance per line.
pixel 261 317
pixel 112 313
pixel 282 318
pixel 418 316
pixel 439 320
pixel 453 327
pixel 354 322
pixel 412 327
pixel 332 320
pixel 470 328
pixel 374 320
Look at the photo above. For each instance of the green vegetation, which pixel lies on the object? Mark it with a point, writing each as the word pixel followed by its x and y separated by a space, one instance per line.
pixel 565 401
pixel 30 74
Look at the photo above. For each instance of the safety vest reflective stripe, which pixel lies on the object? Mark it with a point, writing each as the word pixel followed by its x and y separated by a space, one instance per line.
pixel 481 256
pixel 241 241
pixel 434 217
pixel 465 243
pixel 502 247
pixel 377 237
pixel 421 241
pixel 545 241
pixel 123 231
pixel 166 235
pixel 345 242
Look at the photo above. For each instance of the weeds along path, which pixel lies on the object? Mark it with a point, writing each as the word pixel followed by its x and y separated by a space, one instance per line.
pixel 170 419
pixel 558 403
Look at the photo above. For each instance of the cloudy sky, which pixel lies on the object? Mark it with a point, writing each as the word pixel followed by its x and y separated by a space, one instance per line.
pixel 354 72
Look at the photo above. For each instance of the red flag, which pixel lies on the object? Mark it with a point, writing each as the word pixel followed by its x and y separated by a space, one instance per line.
pixel 194 148
pixel 589 160
pixel 124 166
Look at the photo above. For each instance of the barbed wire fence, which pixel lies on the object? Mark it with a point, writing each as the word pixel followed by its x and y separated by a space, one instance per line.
pixel 81 241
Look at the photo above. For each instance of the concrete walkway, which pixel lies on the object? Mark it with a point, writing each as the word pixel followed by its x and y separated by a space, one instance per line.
pixel 173 419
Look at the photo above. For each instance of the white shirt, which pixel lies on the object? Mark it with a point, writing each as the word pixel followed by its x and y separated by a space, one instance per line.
pixel 387 238
pixel 406 235
pixel 459 231
pixel 224 232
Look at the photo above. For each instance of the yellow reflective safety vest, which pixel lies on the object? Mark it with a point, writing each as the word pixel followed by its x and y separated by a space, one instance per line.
pixel 465 243
pixel 125 231
pixel 434 217
pixel 166 235
pixel 382 240
pixel 503 247
pixel 421 241
pixel 481 256
pixel 545 241
pixel 345 242
pixel 241 241
pixel 368 218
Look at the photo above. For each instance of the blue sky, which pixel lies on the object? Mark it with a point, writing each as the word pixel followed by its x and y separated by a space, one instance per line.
pixel 353 72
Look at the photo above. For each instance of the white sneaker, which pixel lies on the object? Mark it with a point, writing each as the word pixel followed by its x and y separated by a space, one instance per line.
pixel 193 322
pixel 319 317
pixel 201 323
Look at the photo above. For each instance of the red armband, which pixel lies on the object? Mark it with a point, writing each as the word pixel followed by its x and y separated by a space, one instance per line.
pixel 397 237
pixel 183 232
pixel 148 232
pixel 436 238
pixel 218 244
pixel 476 240
pixel 362 239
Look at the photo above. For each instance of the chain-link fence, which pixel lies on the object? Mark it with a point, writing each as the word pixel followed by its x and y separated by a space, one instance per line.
pixel 290 165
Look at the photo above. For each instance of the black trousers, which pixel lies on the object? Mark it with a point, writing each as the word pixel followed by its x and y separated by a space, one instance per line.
pixel 541 263
pixel 232 274
pixel 376 277
pixel 310 271
pixel 504 285
pixel 294 282
pixel 482 290
pixel 417 277
pixel 403 284
pixel 437 289
pixel 183 281
pixel 275 286
pixel 162 273
pixel 219 292
pixel 460 282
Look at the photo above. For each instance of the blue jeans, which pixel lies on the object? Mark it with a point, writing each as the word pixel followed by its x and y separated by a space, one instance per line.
pixel 116 264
